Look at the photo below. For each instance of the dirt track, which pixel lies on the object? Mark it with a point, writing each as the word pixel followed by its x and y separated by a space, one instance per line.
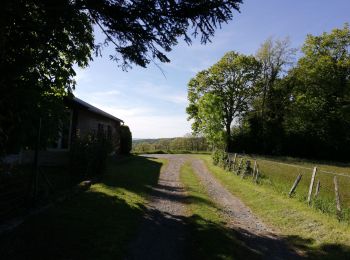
pixel 163 233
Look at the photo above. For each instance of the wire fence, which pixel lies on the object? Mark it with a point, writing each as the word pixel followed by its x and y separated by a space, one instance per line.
pixel 22 189
pixel 329 192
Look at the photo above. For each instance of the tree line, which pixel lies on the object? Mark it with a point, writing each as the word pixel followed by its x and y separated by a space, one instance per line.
pixel 188 143
pixel 273 103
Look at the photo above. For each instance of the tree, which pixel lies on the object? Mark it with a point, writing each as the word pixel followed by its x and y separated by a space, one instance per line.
pixel 38 47
pixel 41 40
pixel 307 109
pixel 220 94
pixel 320 101
pixel 275 56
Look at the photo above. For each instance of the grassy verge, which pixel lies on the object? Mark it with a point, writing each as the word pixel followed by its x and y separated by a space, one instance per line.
pixel 96 224
pixel 317 234
pixel 280 173
pixel 208 236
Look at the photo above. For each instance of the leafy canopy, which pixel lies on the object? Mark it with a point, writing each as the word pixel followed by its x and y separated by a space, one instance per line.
pixel 321 97
pixel 222 93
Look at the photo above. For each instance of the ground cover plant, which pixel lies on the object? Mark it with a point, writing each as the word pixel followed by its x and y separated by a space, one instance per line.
pixel 311 231
pixel 96 224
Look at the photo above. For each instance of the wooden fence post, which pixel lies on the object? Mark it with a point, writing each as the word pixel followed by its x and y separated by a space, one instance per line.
pixel 256 174
pixel 246 168
pixel 239 166
pixel 317 191
pixel 311 185
pixel 234 161
pixel 254 169
pixel 296 182
pixel 337 199
pixel 229 165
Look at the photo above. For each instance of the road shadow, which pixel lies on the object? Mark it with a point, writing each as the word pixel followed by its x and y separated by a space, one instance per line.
pixel 323 251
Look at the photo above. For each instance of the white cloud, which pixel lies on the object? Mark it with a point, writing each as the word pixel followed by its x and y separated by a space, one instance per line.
pixel 158 126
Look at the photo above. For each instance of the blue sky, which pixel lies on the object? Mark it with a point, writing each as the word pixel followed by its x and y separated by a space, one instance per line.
pixel 154 106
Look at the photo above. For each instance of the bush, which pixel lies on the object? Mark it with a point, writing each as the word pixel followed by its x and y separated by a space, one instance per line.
pixel 88 156
pixel 220 158
pixel 125 140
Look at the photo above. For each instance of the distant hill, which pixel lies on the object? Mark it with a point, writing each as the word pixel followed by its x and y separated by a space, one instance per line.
pixel 150 140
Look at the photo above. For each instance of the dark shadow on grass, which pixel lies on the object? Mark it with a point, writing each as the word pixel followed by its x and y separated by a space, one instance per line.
pixel 92 225
pixel 324 251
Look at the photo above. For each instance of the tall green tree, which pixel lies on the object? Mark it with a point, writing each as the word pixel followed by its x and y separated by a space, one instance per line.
pixel 41 41
pixel 220 94
pixel 320 101
pixel 276 57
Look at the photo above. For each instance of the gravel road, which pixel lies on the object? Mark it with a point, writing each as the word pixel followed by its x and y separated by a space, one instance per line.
pixel 163 232
pixel 240 218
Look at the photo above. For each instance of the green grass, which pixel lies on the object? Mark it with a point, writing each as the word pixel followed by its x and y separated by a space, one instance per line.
pixel 309 230
pixel 97 224
pixel 279 175
pixel 208 236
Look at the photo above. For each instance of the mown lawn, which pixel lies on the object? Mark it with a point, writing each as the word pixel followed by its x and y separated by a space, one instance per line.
pixel 96 224
pixel 318 235
pixel 208 236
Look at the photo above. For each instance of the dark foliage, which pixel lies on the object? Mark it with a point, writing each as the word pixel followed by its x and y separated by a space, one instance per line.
pixel 125 140
pixel 39 43
pixel 88 156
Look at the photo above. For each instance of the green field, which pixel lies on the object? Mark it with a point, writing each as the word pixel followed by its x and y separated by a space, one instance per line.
pixel 280 174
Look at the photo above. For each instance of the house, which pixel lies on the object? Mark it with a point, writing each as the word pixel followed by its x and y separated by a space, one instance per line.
pixel 86 119
pixel 83 119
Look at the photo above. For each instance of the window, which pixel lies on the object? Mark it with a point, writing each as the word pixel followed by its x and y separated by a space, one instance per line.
pixel 63 140
pixel 109 132
pixel 100 129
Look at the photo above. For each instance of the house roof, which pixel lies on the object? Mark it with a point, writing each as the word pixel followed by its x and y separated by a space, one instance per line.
pixel 93 109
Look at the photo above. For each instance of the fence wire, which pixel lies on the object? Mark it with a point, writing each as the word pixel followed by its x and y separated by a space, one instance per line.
pixel 21 190
pixel 281 177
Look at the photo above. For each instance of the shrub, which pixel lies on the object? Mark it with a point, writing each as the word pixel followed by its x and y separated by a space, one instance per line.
pixel 125 140
pixel 220 158
pixel 88 156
